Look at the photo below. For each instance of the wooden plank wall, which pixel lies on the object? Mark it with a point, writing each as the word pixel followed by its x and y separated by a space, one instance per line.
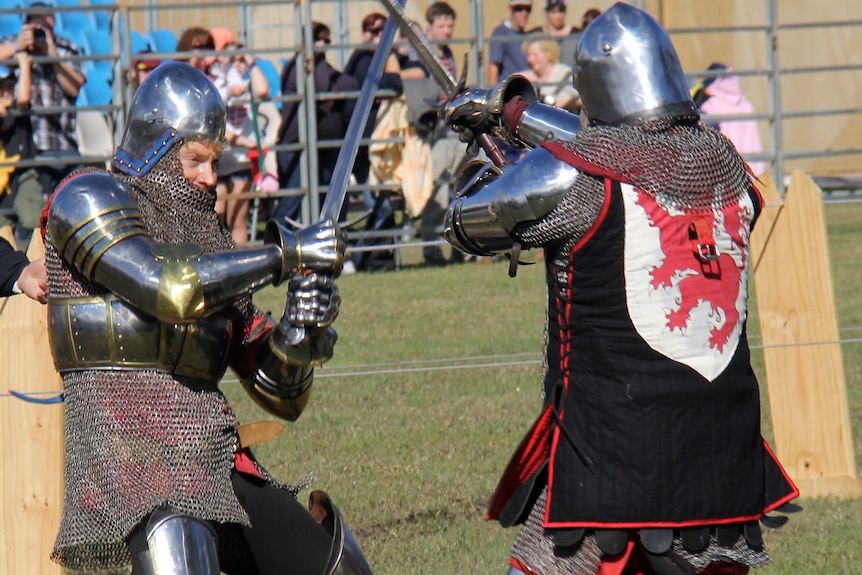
pixel 802 352
pixel 31 472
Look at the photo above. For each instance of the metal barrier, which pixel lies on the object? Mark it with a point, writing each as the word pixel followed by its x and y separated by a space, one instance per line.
pixel 278 30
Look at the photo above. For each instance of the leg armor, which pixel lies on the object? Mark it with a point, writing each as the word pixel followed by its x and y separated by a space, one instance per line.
pixel 345 556
pixel 179 545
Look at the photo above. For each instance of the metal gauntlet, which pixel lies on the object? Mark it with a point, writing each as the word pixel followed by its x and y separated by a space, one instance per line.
pixel 474 111
pixel 319 247
pixel 301 341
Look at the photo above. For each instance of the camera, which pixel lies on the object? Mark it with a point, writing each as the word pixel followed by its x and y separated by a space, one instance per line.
pixel 40 36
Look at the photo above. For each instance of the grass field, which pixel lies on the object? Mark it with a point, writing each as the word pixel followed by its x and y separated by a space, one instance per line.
pixel 435 379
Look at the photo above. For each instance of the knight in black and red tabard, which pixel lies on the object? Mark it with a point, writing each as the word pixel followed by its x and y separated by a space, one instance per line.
pixel 647 456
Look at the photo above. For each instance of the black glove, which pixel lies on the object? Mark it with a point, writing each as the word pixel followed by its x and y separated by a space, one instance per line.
pixel 467 113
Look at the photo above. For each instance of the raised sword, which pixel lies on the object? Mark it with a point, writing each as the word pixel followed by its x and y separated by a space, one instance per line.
pixel 440 73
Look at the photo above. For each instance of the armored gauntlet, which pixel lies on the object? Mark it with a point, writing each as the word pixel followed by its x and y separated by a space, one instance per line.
pixel 319 247
pixel 475 111
pixel 302 340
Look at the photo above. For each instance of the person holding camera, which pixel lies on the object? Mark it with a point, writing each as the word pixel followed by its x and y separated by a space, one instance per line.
pixel 19 209
pixel 56 79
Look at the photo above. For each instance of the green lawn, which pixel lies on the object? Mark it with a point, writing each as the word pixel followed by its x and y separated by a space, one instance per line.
pixel 436 377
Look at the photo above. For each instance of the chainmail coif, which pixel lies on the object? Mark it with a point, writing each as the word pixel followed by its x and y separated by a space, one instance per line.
pixel 137 439
pixel 684 164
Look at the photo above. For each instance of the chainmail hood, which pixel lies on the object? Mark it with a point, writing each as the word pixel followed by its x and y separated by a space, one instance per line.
pixel 683 163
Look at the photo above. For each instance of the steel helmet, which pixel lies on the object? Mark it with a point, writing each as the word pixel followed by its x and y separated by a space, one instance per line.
pixel 627 70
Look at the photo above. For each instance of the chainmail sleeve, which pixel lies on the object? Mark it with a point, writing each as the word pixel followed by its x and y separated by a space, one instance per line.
pixel 570 220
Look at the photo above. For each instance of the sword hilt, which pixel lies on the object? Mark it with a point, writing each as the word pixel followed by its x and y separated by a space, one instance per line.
pixel 495 154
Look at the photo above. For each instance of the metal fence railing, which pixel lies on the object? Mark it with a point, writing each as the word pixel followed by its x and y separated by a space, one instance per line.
pixel 275 31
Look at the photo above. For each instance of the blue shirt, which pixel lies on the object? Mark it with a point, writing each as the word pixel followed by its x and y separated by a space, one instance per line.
pixel 506 50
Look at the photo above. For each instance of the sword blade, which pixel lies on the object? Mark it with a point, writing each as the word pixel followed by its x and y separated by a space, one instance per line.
pixel 423 47
pixel 347 154
pixel 441 75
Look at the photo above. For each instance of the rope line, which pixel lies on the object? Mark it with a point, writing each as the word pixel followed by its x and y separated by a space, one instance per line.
pixel 428 365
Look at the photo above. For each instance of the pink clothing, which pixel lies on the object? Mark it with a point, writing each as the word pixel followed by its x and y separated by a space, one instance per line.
pixel 726 98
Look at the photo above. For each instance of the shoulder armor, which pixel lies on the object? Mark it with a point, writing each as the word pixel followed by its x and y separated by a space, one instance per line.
pixel 542 123
pixel 88 214
pixel 492 201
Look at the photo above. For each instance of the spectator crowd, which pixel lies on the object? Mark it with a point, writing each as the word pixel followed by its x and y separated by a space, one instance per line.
pixel 405 148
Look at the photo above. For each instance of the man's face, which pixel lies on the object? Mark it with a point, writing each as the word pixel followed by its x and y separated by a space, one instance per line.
pixel 373 32
pixel 556 16
pixel 199 161
pixel 198 61
pixel 520 16
pixel 441 28
pixel 42 20
pixel 141 74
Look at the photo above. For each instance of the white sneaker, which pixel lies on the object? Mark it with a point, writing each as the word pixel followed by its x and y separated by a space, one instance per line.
pixel 349 268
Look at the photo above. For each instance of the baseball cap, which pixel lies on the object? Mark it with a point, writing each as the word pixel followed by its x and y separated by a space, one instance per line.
pixel 222 37
pixel 520 3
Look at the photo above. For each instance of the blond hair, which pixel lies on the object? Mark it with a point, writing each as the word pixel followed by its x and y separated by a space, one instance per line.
pixel 551 48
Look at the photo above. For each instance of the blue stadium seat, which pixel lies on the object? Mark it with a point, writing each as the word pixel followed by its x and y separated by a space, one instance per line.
pixel 163 40
pixel 10 24
pixel 272 76
pixel 71 21
pixel 98 43
pixel 101 19
pixel 139 42
pixel 96 91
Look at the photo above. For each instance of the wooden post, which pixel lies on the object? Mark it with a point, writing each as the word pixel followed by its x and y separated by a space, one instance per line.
pixel 31 474
pixel 802 352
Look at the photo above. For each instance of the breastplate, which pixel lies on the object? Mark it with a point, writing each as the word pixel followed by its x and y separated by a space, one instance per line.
pixel 104 332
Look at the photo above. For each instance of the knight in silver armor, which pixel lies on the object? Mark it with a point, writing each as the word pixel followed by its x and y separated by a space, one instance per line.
pixel 647 450
pixel 150 304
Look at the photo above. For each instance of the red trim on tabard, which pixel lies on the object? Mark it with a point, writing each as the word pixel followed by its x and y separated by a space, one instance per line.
pixel 720 568
pixel 651 524
pixel 568 156
pixel 760 201
pixel 565 356
pixel 616 565
pixel 606 205
pixel 527 459
pixel 520 566
pixel 243 463
pixel 793 495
